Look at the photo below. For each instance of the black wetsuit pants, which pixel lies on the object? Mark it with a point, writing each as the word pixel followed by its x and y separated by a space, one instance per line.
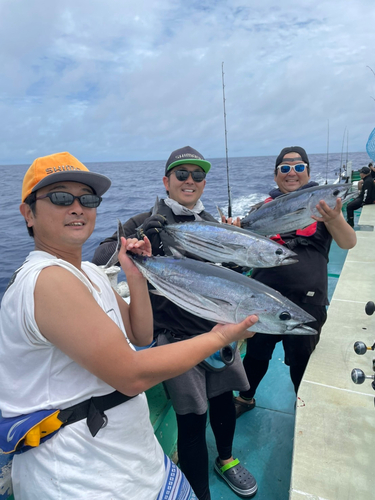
pixel 350 207
pixel 191 443
pixel 298 349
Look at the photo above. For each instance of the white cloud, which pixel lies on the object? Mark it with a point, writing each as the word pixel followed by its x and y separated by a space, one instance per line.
pixel 120 80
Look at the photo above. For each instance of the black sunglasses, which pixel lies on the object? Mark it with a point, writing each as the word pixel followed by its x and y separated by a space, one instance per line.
pixel 183 175
pixel 66 199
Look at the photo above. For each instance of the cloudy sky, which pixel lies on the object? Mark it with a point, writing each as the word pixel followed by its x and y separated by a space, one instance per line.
pixel 133 80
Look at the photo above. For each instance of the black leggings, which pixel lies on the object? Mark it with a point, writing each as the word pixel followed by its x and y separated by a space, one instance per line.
pixel 353 205
pixel 191 443
pixel 297 349
pixel 257 368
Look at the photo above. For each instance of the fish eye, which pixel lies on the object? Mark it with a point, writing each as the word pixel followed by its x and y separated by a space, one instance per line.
pixel 284 316
pixel 336 192
pixel 279 251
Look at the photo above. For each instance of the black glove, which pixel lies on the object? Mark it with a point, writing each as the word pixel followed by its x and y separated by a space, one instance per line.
pixel 235 267
pixel 152 225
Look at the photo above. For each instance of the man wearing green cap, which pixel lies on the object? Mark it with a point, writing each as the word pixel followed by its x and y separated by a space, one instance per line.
pixel 184 181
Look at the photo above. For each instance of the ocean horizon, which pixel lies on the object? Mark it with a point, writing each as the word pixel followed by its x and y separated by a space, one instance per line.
pixel 135 186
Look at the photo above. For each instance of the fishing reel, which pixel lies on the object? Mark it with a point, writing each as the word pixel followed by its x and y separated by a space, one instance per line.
pixel 370 308
pixel 361 348
pixel 358 376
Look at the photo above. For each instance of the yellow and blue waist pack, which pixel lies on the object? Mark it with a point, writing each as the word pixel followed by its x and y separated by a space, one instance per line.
pixel 23 432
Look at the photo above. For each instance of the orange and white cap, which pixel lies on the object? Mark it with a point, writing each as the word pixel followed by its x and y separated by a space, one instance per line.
pixel 58 167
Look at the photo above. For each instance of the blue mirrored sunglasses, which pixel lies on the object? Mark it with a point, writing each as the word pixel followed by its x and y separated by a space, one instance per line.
pixel 299 168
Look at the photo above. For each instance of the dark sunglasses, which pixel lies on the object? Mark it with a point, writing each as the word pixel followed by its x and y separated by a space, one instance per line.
pixel 66 199
pixel 183 175
pixel 299 168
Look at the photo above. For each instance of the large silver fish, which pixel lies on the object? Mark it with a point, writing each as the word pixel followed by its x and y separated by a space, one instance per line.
pixel 221 295
pixel 225 243
pixel 293 211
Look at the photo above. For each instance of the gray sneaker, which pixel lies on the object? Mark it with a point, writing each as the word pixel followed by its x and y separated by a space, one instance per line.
pixel 237 477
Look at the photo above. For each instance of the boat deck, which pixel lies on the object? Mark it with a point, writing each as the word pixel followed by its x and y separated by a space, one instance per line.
pixel 335 429
pixel 264 437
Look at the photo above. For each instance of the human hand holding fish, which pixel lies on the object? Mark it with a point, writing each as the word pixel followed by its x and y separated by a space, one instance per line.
pixel 327 213
pixel 337 226
pixel 153 224
pixel 138 247
pixel 233 332
pixel 231 220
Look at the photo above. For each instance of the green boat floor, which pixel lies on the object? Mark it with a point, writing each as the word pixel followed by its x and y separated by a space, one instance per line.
pixel 263 439
pixel 163 419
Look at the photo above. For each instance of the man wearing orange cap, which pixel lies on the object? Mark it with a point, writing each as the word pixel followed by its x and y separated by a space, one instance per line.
pixel 73 398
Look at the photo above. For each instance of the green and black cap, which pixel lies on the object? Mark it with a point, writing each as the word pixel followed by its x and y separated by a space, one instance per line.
pixel 186 155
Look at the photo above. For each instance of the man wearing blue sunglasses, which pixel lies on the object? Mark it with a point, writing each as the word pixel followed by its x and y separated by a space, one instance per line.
pixel 305 283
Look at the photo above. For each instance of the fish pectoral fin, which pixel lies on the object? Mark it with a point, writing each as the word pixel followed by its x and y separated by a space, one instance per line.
pixel 210 244
pixel 296 212
pixel 156 292
pixel 214 300
pixel 193 302
pixel 199 241
pixel 177 253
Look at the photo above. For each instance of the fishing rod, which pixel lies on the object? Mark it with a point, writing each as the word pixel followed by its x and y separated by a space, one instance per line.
pixel 372 71
pixel 370 145
pixel 226 144
pixel 342 151
pixel 347 148
pixel 327 153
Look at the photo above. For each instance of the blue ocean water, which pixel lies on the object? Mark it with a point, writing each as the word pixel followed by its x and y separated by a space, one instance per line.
pixel 135 186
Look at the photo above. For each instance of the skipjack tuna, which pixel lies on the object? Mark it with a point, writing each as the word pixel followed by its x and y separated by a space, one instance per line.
pixel 221 295
pixel 223 243
pixel 292 211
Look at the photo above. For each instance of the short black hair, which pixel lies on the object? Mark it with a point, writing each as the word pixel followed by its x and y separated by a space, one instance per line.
pixel 31 200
